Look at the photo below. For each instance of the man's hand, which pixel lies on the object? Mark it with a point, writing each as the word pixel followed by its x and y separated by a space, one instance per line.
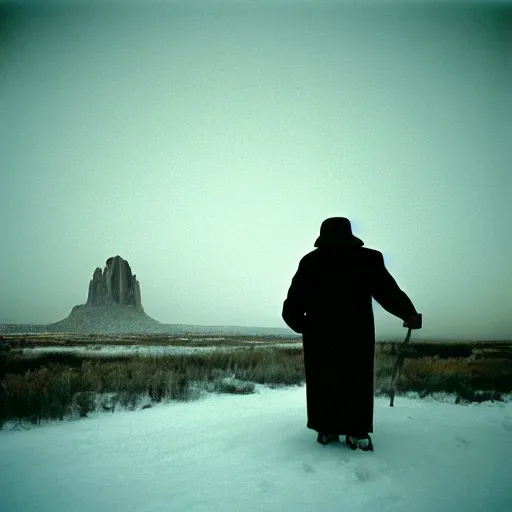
pixel 414 321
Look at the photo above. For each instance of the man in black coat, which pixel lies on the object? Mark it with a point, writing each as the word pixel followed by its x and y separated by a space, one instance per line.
pixel 329 302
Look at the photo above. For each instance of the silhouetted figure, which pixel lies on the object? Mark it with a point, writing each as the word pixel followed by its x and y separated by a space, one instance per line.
pixel 330 303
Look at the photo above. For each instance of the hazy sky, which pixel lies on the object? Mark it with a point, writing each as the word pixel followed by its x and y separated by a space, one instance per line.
pixel 205 145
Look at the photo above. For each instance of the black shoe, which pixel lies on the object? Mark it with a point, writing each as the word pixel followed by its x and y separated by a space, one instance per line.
pixel 363 443
pixel 351 441
pixel 327 438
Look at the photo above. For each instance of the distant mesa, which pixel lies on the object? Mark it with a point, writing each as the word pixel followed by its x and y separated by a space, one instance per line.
pixel 113 304
pixel 114 285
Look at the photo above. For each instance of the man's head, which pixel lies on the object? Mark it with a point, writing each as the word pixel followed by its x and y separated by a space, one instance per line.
pixel 337 231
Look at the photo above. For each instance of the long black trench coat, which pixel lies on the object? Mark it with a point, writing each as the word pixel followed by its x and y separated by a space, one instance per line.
pixel 330 303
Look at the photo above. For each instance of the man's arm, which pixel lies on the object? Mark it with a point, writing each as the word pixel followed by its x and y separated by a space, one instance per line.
pixel 388 294
pixel 294 305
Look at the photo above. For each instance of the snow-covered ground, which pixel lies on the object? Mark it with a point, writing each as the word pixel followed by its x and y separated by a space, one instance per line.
pixel 121 350
pixel 150 350
pixel 254 453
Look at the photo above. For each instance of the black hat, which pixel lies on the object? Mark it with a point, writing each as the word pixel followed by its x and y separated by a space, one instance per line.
pixel 337 231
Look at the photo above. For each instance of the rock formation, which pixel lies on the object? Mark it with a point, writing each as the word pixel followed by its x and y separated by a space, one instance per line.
pixel 114 285
pixel 113 304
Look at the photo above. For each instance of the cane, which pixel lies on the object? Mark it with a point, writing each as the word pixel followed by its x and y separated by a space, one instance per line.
pixel 414 322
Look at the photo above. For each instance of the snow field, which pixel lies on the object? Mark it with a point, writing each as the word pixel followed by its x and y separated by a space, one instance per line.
pixel 254 453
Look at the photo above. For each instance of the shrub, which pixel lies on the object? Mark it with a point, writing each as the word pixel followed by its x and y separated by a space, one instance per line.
pixel 83 402
pixel 233 386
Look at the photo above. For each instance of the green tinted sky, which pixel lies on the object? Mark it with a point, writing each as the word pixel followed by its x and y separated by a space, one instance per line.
pixel 206 145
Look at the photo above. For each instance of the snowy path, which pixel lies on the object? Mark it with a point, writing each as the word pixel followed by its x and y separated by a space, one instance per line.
pixel 254 453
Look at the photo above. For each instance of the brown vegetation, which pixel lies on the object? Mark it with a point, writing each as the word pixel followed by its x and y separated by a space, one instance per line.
pixel 472 372
pixel 60 385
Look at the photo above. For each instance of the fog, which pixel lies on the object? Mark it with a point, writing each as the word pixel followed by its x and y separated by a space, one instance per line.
pixel 205 143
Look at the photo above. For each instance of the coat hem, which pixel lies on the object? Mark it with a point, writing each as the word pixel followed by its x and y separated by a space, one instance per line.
pixel 339 431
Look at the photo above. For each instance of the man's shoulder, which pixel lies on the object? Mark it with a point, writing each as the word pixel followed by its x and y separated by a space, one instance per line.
pixel 365 253
pixel 309 256
pixel 371 253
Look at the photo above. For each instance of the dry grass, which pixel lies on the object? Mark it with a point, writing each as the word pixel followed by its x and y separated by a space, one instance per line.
pixel 472 372
pixel 54 386
pixel 57 386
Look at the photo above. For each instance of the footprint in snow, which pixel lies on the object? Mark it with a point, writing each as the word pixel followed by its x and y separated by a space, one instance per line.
pixel 365 471
pixel 461 442
pixel 266 486
pixel 308 468
pixel 363 474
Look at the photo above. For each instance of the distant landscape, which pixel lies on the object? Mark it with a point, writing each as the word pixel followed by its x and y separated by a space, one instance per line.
pixel 167 329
